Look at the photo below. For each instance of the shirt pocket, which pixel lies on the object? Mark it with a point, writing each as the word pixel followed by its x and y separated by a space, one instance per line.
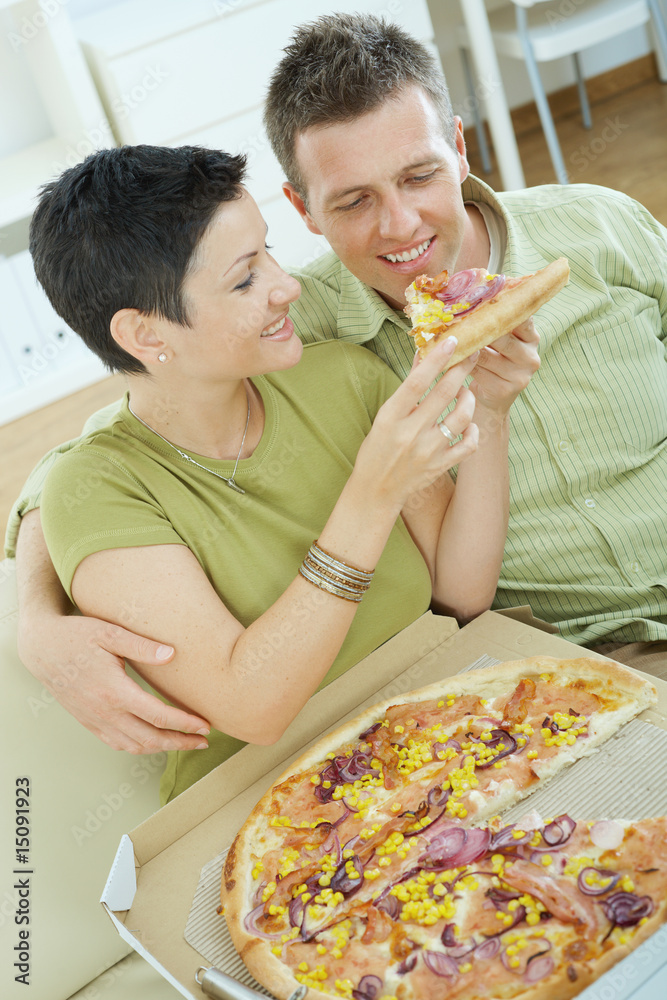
pixel 628 381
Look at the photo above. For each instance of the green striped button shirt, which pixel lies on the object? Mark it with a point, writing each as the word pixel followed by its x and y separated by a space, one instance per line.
pixel 587 540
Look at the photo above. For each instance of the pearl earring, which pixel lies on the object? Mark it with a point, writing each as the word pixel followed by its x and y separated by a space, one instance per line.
pixel 162 357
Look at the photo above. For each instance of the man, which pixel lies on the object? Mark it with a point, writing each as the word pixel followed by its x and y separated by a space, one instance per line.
pixel 361 123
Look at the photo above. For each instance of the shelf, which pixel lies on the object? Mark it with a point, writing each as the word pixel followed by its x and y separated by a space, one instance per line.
pixel 47 388
pixel 23 173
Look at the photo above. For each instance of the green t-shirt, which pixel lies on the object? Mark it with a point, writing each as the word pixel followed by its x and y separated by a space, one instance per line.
pixel 122 486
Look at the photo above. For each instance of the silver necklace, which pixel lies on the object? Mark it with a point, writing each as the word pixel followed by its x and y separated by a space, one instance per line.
pixel 231 482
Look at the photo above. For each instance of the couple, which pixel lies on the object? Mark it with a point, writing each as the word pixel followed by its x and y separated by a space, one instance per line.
pixel 177 290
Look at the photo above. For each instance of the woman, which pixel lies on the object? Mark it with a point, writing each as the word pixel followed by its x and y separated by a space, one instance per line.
pixel 237 448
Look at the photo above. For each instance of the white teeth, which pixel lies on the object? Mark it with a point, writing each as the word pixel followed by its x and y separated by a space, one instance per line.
pixel 274 329
pixel 408 254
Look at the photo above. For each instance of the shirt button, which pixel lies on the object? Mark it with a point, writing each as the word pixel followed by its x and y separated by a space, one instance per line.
pixel 588 502
pixel 563 445
pixel 635 567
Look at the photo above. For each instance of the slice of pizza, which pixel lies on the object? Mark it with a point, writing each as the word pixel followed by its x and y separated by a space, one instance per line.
pixel 540 909
pixel 477 307
pixel 358 811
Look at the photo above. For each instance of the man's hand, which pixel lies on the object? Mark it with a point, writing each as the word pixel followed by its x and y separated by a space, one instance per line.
pixel 81 662
pixel 505 368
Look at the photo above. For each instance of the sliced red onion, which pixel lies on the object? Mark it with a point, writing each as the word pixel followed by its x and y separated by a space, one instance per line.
pixel 462 951
pixel 458 285
pixel 390 905
pixel 597 890
pixel 487 949
pixel 441 964
pixel 506 838
pixel 368 988
pixel 556 833
pixel 369 732
pixel 450 850
pixel 550 724
pixel 438 796
pixel 347 884
pixel 295 911
pixel 408 964
pixel 501 895
pixel 538 967
pixel 250 924
pixel 498 736
pixel 624 909
pixel 607 834
pixel 448 936
pixel 439 746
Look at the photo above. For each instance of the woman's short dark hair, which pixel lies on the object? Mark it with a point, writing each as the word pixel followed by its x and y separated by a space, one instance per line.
pixel 342 66
pixel 120 230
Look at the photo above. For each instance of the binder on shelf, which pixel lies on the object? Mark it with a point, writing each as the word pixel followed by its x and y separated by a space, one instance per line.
pixel 59 345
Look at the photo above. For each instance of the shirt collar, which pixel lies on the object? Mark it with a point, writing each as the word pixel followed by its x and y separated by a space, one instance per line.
pixel 362 312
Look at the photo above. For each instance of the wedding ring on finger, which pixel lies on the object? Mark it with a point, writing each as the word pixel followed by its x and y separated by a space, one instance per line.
pixel 447 433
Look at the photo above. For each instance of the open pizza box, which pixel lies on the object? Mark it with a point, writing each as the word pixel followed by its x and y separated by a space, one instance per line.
pixel 163 888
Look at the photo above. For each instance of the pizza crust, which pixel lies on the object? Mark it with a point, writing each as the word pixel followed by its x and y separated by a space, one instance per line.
pixel 632 693
pixel 500 679
pixel 500 315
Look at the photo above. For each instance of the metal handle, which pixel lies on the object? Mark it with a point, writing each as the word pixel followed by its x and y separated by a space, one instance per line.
pixel 219 986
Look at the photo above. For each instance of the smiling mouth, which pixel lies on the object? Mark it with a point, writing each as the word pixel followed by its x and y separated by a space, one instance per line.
pixel 407 255
pixel 274 329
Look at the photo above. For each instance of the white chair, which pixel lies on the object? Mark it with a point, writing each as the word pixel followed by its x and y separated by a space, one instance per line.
pixel 522 31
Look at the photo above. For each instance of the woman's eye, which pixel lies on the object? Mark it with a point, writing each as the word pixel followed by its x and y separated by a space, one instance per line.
pixel 247 283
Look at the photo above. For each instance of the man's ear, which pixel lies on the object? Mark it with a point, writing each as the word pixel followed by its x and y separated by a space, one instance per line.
pixel 134 332
pixel 464 166
pixel 295 198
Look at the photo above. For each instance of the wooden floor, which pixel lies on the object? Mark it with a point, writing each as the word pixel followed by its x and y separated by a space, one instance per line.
pixel 625 149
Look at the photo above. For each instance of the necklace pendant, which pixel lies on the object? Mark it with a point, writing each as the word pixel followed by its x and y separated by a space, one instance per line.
pixel 234 486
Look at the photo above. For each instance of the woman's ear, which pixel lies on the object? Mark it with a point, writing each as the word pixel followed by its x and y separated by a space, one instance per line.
pixel 136 334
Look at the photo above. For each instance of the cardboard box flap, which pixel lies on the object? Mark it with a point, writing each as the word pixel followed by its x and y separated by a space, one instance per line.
pixel 121 884
pixel 524 614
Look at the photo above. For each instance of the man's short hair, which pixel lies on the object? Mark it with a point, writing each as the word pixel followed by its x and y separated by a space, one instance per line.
pixel 342 66
pixel 120 230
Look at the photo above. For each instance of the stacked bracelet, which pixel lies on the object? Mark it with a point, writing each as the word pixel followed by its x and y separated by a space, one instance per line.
pixel 328 573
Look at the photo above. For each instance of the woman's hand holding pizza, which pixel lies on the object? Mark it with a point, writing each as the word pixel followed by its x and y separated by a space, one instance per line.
pixel 405 451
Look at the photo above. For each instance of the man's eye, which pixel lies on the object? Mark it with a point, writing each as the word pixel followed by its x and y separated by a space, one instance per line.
pixel 247 283
pixel 423 177
pixel 353 204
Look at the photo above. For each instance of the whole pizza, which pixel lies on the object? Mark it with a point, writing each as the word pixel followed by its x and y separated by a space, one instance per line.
pixel 379 867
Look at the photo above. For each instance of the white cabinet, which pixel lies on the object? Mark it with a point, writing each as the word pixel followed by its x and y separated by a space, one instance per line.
pixel 40 359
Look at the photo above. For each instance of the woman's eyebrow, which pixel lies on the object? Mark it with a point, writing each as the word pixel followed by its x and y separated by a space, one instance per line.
pixel 245 256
